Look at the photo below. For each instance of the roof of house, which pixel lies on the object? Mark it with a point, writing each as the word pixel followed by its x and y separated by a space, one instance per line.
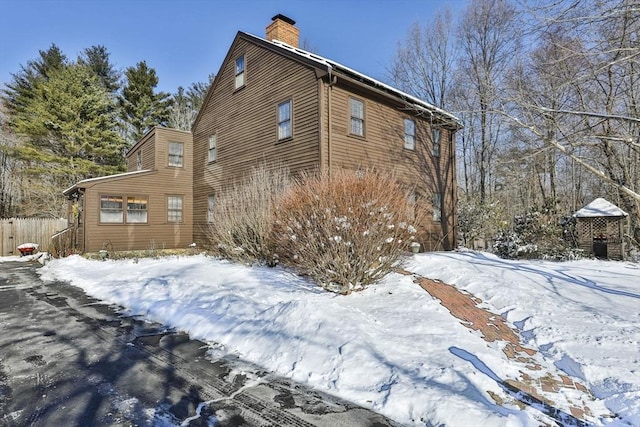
pixel 599 208
pixel 81 184
pixel 333 66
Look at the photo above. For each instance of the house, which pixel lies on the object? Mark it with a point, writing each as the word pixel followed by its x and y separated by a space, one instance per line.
pixel 600 226
pixel 150 206
pixel 275 103
pixel 272 103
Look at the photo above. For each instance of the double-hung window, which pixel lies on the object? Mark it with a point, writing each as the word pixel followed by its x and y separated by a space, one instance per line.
pixel 176 154
pixel 240 72
pixel 409 134
pixel 211 207
pixel 435 139
pixel 174 208
pixel 111 209
pixel 356 108
pixel 137 210
pixel 437 206
pixel 284 120
pixel 213 148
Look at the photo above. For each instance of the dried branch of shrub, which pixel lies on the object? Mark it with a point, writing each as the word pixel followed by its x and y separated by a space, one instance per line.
pixel 347 231
pixel 243 216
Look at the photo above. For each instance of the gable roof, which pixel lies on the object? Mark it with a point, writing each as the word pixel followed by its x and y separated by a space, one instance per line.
pixel 335 68
pixel 599 208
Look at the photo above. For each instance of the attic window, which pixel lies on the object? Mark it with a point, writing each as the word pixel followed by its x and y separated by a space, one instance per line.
pixel 240 72
pixel 435 136
pixel 409 134
pixel 139 160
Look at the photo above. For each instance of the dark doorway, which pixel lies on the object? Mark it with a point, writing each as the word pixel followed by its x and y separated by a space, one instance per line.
pixel 600 248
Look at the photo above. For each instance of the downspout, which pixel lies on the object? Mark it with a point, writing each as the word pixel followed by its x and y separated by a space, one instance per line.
pixel 332 81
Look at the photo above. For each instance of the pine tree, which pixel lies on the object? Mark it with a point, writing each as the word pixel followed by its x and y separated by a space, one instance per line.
pixel 97 59
pixel 140 107
pixel 19 93
pixel 70 127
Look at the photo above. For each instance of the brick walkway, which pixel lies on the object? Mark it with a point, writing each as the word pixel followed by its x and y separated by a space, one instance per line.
pixel 538 386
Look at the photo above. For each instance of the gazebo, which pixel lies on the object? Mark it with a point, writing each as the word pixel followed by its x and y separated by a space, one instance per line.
pixel 600 226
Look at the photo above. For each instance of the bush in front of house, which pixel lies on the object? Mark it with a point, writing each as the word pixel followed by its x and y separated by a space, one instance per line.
pixel 243 216
pixel 537 234
pixel 346 231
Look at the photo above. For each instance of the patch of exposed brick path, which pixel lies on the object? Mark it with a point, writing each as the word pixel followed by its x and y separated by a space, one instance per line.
pixel 493 327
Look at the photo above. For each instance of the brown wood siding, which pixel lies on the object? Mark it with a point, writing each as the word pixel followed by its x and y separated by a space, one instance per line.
pixel 155 186
pixel 245 122
pixel 382 147
pixel 148 146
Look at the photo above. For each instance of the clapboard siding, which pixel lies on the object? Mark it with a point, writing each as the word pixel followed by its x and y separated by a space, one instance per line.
pixel 382 147
pixel 245 122
pixel 159 182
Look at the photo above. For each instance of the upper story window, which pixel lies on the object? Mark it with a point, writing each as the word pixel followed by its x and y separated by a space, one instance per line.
pixel 176 154
pixel 240 72
pixel 435 139
pixel 356 108
pixel 111 209
pixel 213 148
pixel 137 210
pixel 409 134
pixel 139 160
pixel 284 120
pixel 174 208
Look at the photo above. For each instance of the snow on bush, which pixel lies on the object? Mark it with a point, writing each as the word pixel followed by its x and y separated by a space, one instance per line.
pixel 346 231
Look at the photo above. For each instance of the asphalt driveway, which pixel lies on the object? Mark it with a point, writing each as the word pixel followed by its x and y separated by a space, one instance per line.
pixel 68 360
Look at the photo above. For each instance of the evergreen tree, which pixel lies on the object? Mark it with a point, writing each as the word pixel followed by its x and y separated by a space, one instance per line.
pixel 140 107
pixel 97 59
pixel 19 93
pixel 70 127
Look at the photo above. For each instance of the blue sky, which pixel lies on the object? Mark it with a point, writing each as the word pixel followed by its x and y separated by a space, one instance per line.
pixel 187 40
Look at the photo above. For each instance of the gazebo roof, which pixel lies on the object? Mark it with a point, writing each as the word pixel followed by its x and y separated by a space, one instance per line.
pixel 598 208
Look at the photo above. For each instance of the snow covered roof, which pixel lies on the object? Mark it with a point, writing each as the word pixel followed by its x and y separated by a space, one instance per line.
pixel 599 207
pixel 332 65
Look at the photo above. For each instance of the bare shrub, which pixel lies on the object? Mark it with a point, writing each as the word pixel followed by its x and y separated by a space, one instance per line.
pixel 243 216
pixel 347 231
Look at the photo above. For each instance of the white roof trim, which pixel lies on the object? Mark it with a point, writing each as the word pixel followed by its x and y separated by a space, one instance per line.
pixel 118 175
pixel 335 65
pixel 599 208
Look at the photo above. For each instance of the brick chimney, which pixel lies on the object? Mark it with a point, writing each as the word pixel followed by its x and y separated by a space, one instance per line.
pixel 283 29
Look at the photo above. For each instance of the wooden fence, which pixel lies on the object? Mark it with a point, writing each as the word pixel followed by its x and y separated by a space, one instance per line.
pixel 16 231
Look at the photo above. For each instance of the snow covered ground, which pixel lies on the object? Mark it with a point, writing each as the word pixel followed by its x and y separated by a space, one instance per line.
pixel 393 347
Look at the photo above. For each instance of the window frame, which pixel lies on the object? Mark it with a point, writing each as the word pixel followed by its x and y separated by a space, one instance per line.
pixel 356 119
pixel 213 158
pixel 129 211
pixel 139 160
pixel 436 137
pixel 240 72
pixel 179 156
pixel 211 203
pixel 288 119
pixel 437 207
pixel 102 209
pixel 410 145
pixel 173 210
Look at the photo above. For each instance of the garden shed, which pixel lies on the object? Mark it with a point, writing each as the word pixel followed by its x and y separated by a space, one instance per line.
pixel 600 226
